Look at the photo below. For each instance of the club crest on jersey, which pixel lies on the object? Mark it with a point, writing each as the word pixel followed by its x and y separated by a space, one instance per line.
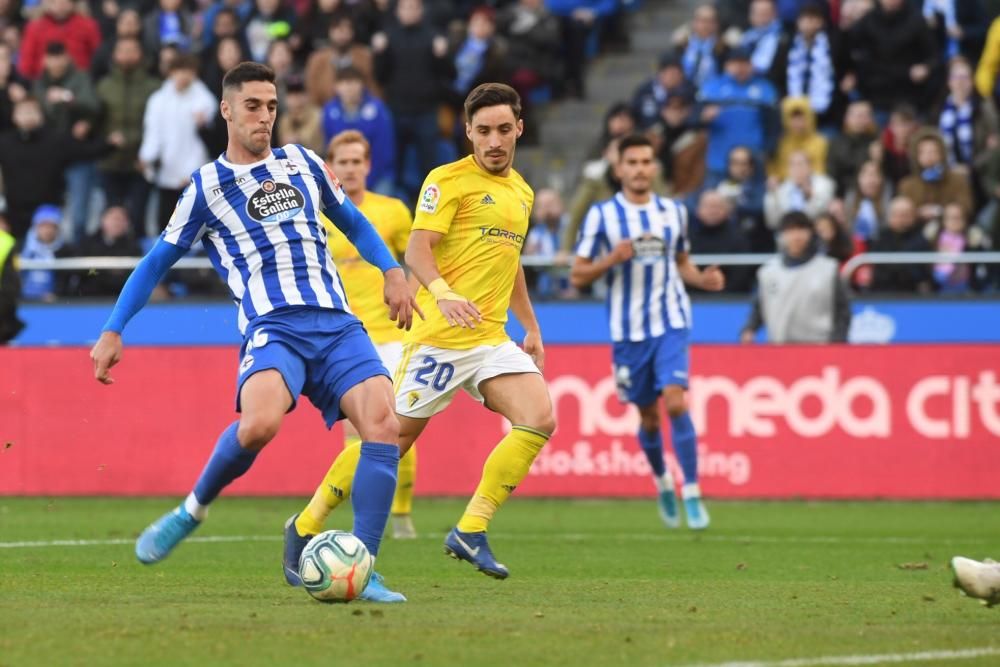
pixel 649 249
pixel 274 202
pixel 429 199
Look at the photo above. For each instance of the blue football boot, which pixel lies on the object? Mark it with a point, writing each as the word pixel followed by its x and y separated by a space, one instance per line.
pixel 376 591
pixel 697 515
pixel 294 544
pixel 160 538
pixel 474 548
pixel 666 502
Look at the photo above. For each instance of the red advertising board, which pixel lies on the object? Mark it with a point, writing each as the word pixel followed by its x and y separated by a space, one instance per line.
pixel 773 422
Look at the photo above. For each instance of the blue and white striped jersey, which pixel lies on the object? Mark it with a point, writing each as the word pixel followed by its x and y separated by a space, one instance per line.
pixel 260 226
pixel 646 295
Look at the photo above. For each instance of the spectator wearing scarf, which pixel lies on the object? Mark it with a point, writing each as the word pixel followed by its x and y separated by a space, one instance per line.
pixel 766 42
pixel 932 182
pixel 966 121
pixel 699 46
pixel 811 73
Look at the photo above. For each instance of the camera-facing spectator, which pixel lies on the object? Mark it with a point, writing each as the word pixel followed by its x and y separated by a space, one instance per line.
pixel 699 45
pixel 744 187
pixel 833 238
pixel 933 183
pixel 10 281
pixel 479 55
pixel 314 28
pixel 619 122
pixel 128 25
pixel 902 233
pixel 651 97
pixel 61 23
pixel 968 122
pixel 12 87
pixel 532 34
pixel 894 153
pixel 811 71
pixel 302 121
pixel 799 136
pixel 227 53
pixel 215 27
pixel 355 108
pixel 893 55
pixel 767 43
pixel 270 20
pixel 853 146
pixel 412 65
pixel 34 158
pixel 713 231
pixel 800 295
pixel 867 203
pixel 738 109
pixel 169 23
pixel 123 95
pixel 44 241
pixel 803 190
pixel 171 148
pixel 545 239
pixel 341 52
pixel 112 239
pixel 955 235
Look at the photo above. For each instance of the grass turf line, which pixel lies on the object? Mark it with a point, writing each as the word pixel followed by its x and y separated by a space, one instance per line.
pixel 595 582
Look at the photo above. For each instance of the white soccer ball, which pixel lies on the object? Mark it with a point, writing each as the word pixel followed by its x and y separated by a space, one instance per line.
pixel 335 566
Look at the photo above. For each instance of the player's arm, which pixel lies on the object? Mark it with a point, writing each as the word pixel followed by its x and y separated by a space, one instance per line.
pixel 520 304
pixel 140 285
pixel 711 279
pixel 457 310
pixel 360 232
pixel 589 264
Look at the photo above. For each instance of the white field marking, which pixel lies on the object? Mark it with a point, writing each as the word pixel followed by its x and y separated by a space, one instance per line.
pixel 872 659
pixel 652 536
pixel 101 543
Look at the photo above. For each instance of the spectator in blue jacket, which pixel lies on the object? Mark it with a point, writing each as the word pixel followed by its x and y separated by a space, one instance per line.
pixel 739 109
pixel 355 108
pixel 651 97
pixel 579 18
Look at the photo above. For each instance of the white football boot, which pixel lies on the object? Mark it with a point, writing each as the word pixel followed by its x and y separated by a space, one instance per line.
pixel 976 579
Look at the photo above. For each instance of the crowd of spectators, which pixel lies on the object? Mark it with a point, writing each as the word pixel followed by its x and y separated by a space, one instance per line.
pixel 875 118
pixel 107 107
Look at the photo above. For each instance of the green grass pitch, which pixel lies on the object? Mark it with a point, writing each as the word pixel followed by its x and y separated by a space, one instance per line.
pixel 592 583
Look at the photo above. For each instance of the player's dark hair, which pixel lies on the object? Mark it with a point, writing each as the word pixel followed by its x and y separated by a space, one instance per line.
pixel 633 140
pixel 492 95
pixel 246 72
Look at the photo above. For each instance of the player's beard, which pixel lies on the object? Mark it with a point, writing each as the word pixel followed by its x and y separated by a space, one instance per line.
pixel 498 169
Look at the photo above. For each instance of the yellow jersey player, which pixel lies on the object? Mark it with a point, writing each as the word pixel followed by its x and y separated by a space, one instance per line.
pixel 349 156
pixel 465 247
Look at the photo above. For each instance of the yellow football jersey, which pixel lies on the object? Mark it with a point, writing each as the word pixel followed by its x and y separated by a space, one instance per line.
pixel 484 219
pixel 362 281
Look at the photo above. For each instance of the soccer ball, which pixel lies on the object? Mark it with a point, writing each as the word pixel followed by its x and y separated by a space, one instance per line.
pixel 335 566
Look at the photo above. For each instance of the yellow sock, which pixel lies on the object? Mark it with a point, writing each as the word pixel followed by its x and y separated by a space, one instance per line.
pixel 335 488
pixel 503 471
pixel 402 502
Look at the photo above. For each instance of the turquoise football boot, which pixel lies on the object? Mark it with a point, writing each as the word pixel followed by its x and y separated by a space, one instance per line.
pixel 160 538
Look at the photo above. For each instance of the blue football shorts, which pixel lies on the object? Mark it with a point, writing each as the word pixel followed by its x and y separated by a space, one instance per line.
pixel 321 353
pixel 644 368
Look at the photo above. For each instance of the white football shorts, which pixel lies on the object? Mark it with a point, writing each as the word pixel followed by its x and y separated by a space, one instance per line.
pixel 428 377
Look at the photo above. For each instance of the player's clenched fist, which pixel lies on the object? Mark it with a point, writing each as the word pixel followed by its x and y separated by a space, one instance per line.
pixel 712 279
pixel 622 252
pixel 106 353
pixel 400 300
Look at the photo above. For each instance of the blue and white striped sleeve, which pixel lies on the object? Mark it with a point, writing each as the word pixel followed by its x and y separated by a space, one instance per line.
pixel 330 190
pixel 188 223
pixel 593 238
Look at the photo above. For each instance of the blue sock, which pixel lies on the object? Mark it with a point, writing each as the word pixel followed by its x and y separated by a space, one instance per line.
pixel 374 486
pixel 685 446
pixel 652 447
pixel 227 462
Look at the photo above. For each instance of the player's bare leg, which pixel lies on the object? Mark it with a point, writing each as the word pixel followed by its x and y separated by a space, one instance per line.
pixel 264 400
pixel 685 443
pixel 523 399
pixel 652 446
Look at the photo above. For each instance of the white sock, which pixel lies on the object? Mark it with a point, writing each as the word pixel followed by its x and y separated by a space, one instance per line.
pixel 194 508
pixel 691 491
pixel 664 482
